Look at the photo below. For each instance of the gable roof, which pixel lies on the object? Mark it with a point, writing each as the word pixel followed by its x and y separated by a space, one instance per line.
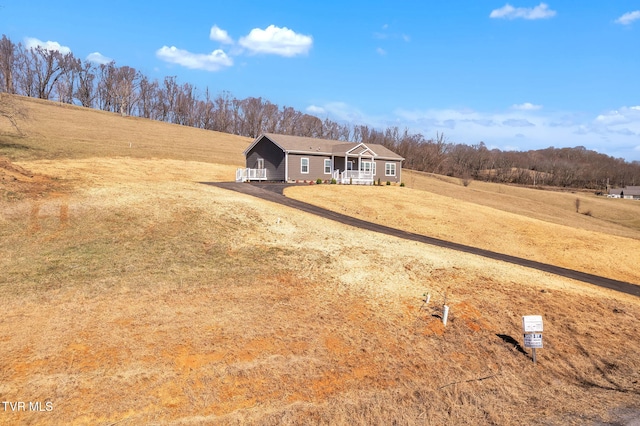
pixel 305 145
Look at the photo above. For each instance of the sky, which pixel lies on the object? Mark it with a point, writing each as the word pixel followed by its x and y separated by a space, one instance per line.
pixel 515 75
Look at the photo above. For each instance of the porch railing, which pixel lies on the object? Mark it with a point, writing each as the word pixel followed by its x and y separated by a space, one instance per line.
pixel 356 177
pixel 243 175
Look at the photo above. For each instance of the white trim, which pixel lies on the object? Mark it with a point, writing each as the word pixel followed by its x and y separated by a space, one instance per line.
pixel 308 166
pixel 303 152
pixel 258 139
pixel 372 166
pixel 286 167
pixel 330 166
pixel 395 167
pixel 366 149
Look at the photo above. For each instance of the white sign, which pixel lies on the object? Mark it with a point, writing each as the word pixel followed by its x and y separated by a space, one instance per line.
pixel 532 323
pixel 533 340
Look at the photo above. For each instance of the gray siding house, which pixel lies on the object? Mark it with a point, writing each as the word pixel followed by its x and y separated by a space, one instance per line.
pixel 273 157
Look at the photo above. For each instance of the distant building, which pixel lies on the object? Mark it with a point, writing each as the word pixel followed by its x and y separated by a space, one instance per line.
pixel 628 192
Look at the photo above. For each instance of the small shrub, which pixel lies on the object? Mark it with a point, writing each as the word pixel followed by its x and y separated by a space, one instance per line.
pixel 333 181
pixel 318 181
pixel 587 213
pixel 402 184
pixel 378 181
pixel 388 183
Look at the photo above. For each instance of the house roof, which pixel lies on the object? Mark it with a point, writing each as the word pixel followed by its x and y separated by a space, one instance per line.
pixel 304 145
pixel 628 190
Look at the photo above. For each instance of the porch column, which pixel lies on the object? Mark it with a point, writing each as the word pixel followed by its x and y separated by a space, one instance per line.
pixel 346 162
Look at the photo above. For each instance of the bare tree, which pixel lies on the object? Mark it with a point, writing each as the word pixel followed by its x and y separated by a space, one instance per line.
pixel 222 115
pixel 48 67
pixel 7 65
pixel 288 118
pixel 10 110
pixel 26 80
pixel 148 98
pixel 85 91
pixel 169 96
pixel 185 106
pixel 106 86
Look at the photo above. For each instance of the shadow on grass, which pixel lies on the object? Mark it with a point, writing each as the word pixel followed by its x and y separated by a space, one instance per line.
pixel 511 341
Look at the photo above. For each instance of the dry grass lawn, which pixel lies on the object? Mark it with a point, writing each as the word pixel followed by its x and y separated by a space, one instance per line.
pixel 591 245
pixel 132 294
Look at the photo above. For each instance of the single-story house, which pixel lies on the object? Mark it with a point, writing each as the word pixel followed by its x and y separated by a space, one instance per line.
pixel 273 157
pixel 629 192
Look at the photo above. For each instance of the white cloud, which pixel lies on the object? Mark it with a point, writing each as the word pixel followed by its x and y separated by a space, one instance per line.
pixel 32 43
pixel 345 113
pixel 98 58
pixel 614 132
pixel 314 109
pixel 214 61
pixel 527 106
pixel 624 115
pixel 517 122
pixel 277 41
pixel 628 18
pixel 381 51
pixel 541 11
pixel 218 34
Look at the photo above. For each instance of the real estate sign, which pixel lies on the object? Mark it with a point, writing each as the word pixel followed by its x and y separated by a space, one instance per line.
pixel 533 340
pixel 532 323
pixel 532 327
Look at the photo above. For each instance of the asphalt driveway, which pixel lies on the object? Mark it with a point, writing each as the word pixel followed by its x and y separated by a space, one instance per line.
pixel 274 192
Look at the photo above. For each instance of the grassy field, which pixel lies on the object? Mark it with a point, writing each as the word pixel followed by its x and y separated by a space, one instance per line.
pixel 133 294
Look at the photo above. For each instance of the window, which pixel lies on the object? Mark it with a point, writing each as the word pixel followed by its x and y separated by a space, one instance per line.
pixel 327 166
pixel 260 163
pixel 390 169
pixel 369 167
pixel 304 165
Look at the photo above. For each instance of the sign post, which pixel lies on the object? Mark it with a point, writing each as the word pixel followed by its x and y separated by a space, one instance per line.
pixel 532 327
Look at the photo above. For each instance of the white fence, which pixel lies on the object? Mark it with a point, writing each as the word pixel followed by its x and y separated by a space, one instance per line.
pixel 356 177
pixel 243 175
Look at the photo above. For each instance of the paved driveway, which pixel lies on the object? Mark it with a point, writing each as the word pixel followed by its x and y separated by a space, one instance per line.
pixel 274 192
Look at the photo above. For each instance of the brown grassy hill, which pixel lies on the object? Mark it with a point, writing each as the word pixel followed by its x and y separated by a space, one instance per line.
pixel 132 294
pixel 52 130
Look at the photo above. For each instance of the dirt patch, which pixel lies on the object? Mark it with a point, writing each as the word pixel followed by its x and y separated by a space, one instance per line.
pixel 17 183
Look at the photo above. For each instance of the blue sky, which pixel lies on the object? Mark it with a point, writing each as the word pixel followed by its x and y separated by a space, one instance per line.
pixel 516 75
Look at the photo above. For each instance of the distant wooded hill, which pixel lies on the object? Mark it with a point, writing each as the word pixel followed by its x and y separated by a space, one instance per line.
pixel 51 75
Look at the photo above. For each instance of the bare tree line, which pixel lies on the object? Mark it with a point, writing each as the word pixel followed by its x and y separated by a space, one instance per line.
pixel 49 74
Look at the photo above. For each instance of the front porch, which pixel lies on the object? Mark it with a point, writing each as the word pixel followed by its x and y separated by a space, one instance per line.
pixel 247 174
pixel 353 177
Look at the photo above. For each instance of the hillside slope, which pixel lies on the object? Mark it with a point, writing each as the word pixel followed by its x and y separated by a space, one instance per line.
pixel 132 294
pixel 52 130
